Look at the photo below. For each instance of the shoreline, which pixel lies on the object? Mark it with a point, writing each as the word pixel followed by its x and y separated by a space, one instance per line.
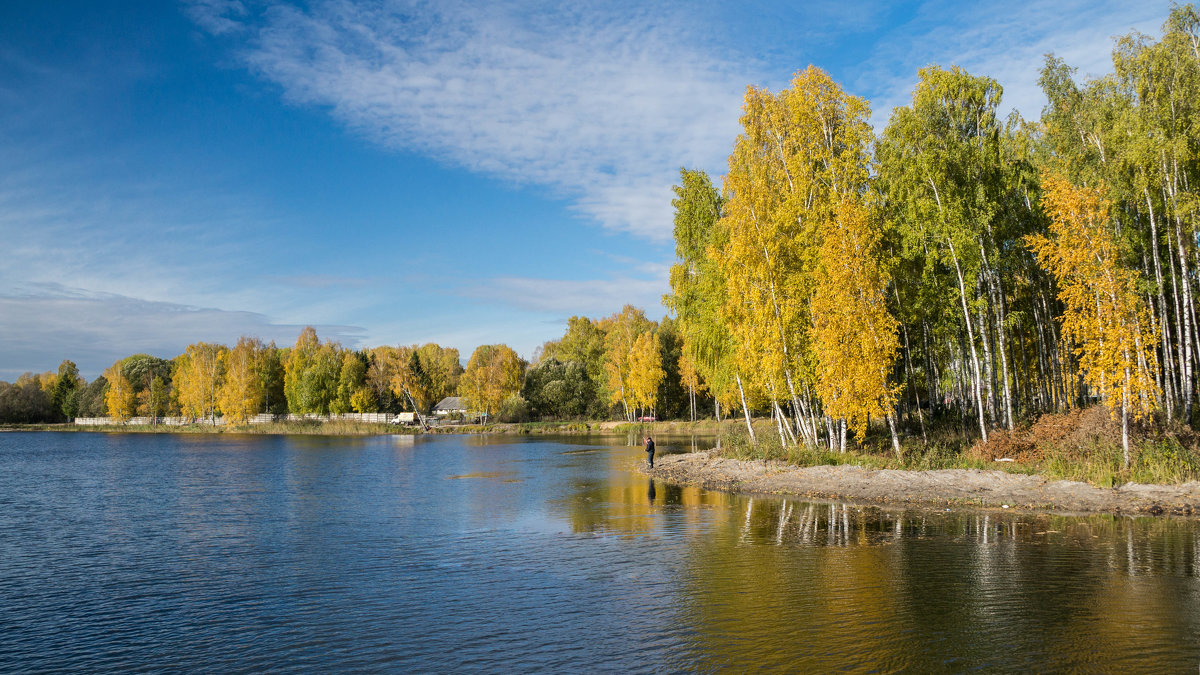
pixel 341 428
pixel 944 487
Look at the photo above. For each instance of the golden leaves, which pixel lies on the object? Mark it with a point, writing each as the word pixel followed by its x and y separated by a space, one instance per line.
pixel 493 374
pixel 1104 314
pixel 855 337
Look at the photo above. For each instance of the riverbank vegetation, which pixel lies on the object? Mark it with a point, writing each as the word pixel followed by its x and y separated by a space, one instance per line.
pixel 958 270
pixel 922 295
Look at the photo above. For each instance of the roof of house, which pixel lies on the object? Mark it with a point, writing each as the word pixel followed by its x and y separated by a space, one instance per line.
pixel 451 403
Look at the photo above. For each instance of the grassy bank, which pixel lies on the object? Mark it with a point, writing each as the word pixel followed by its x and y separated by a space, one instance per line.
pixel 1083 445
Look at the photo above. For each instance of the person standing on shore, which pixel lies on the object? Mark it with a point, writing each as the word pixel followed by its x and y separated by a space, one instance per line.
pixel 649 443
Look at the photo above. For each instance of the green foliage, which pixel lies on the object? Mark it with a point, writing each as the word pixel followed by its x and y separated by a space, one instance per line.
pixel 556 389
pixel 25 402
pixel 271 380
pixel 513 409
pixel 90 400
pixel 64 400
pixel 583 342
pixel 311 374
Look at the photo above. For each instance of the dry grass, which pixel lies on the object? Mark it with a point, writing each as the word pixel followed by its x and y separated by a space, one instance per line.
pixel 1083 445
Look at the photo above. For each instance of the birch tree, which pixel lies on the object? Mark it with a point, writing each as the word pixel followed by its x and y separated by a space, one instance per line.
pixel 120 399
pixel 855 335
pixel 241 393
pixel 199 376
pixel 1104 313
pixel 940 164
pixel 494 373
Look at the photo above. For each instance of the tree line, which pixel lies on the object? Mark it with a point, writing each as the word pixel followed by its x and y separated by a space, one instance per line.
pixel 615 366
pixel 956 264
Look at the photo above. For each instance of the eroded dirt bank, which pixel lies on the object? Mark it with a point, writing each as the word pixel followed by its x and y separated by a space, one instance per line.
pixel 946 487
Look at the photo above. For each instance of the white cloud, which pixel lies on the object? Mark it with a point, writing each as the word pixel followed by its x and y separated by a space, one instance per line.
pixel 46 323
pixel 601 104
pixel 591 297
pixel 218 17
pixel 1007 42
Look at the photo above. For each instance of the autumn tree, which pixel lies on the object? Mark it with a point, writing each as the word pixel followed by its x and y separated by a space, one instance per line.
pixel 689 377
pixel 1104 313
pixel 120 399
pixel 623 364
pixel 200 373
pixel 151 378
pixel 803 151
pixel 494 373
pixel 351 386
pixel 242 392
pixel 442 367
pixel 854 334
pixel 698 292
pixel 410 382
pixel 645 371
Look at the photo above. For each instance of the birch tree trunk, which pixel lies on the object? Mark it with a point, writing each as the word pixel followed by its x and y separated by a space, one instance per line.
pixel 746 410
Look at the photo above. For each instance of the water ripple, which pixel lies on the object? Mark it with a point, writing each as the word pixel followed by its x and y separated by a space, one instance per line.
pixel 145 552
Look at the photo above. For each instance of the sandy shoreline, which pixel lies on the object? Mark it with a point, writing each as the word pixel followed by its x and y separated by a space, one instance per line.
pixel 962 487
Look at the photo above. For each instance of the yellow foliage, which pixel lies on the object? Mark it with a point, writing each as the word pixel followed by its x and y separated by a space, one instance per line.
pixel 645 372
pixel 241 393
pixel 120 399
pixel 800 152
pixel 856 338
pixel 494 373
pixel 688 375
pixel 628 366
pixel 198 379
pixel 363 400
pixel 1104 314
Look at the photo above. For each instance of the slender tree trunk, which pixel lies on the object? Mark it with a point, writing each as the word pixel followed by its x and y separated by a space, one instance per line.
pixel 1187 324
pixel 746 410
pixel 962 290
pixel 1043 358
pixel 1160 290
pixel 778 415
pixel 1125 419
pixel 912 380
pixel 787 427
pixel 998 303
pixel 989 372
pixel 895 439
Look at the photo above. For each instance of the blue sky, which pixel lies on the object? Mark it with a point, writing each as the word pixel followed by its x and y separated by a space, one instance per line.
pixel 403 172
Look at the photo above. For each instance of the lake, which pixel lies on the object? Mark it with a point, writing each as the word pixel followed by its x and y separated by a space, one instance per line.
pixel 124 552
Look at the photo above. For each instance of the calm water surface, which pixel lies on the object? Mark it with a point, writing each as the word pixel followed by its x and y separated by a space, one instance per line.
pixel 226 553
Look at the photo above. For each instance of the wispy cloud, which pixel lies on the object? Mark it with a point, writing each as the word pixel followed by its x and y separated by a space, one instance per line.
pixel 322 281
pixel 592 297
pixel 1007 42
pixel 218 17
pixel 599 103
pixel 45 323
